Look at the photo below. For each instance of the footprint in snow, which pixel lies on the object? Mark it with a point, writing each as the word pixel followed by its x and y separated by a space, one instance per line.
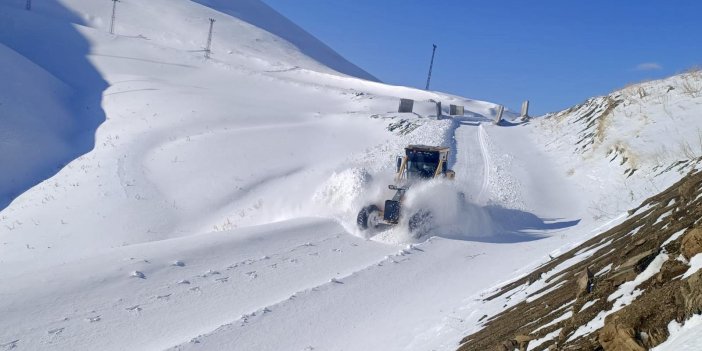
pixel 135 308
pixel 222 280
pixel 209 273
pixel 178 263
pixel 56 331
pixel 184 281
pixel 93 319
pixel 10 345
pixel 137 274
pixel 163 297
pixel 252 275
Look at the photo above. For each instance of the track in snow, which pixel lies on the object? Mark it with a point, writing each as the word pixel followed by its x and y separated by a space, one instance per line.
pixel 486 163
pixel 472 160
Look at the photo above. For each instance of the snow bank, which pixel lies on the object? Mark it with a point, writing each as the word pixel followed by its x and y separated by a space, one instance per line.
pixel 260 15
pixel 683 337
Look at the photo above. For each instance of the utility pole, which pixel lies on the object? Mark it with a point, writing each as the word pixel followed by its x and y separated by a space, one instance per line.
pixel 430 66
pixel 112 22
pixel 209 39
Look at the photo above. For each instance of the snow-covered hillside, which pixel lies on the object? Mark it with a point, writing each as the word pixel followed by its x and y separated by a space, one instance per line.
pixel 153 199
pixel 631 143
pixel 618 150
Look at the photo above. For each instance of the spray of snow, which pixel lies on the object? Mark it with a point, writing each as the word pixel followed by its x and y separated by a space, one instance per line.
pixel 453 216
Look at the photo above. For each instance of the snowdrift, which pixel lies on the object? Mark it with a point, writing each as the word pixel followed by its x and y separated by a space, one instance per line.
pixel 163 181
pixel 158 199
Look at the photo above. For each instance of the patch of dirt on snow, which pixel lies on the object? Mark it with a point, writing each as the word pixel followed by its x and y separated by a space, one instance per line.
pixel 627 307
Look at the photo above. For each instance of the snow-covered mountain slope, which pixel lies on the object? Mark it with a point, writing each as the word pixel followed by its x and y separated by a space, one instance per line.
pixel 55 92
pixel 618 149
pixel 212 203
pixel 638 139
pixel 50 96
pixel 189 150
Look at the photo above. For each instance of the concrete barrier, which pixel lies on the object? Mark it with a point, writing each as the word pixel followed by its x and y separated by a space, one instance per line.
pixel 406 105
pixel 500 111
pixel 525 110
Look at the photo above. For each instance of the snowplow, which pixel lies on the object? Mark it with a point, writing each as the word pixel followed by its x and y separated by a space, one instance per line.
pixel 420 163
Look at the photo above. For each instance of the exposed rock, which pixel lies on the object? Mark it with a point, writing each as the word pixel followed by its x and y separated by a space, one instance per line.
pixel 692 243
pixel 619 277
pixel 584 282
pixel 619 337
pixel 643 263
pixel 534 277
pixel 508 345
pixel 520 342
pixel 687 190
pixel 640 325
pixel 691 293
pixel 523 341
pixel 631 267
pixel 640 242
pixel 670 270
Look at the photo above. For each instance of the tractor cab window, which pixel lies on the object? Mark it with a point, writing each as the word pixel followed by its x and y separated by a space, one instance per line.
pixel 421 164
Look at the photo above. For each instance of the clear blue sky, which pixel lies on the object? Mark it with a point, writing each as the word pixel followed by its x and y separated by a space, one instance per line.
pixel 554 53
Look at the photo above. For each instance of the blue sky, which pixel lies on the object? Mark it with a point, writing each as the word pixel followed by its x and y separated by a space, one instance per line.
pixel 554 53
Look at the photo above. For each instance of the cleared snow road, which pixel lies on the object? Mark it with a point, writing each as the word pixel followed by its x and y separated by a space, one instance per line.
pixel 413 299
pixel 472 160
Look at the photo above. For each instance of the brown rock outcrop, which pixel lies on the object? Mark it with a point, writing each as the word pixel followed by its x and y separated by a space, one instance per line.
pixel 619 337
pixel 692 243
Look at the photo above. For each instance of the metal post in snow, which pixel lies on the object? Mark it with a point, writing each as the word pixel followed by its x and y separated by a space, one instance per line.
pixel 209 39
pixel 431 64
pixel 112 21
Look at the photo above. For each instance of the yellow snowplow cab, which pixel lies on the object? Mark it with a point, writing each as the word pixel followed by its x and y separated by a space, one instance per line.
pixel 423 162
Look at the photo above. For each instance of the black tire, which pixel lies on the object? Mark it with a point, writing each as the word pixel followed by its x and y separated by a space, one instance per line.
pixel 420 223
pixel 362 219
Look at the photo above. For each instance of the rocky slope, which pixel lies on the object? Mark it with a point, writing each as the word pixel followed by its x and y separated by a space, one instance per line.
pixel 621 288
pixel 617 291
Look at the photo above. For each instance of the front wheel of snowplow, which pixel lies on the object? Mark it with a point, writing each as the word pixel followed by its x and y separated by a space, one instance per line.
pixel 369 217
pixel 420 223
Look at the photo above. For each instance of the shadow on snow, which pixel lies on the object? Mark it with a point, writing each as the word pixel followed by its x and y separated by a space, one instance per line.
pixel 513 226
pixel 47 37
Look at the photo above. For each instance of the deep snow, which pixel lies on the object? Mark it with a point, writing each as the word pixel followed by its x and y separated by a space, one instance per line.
pixel 212 203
